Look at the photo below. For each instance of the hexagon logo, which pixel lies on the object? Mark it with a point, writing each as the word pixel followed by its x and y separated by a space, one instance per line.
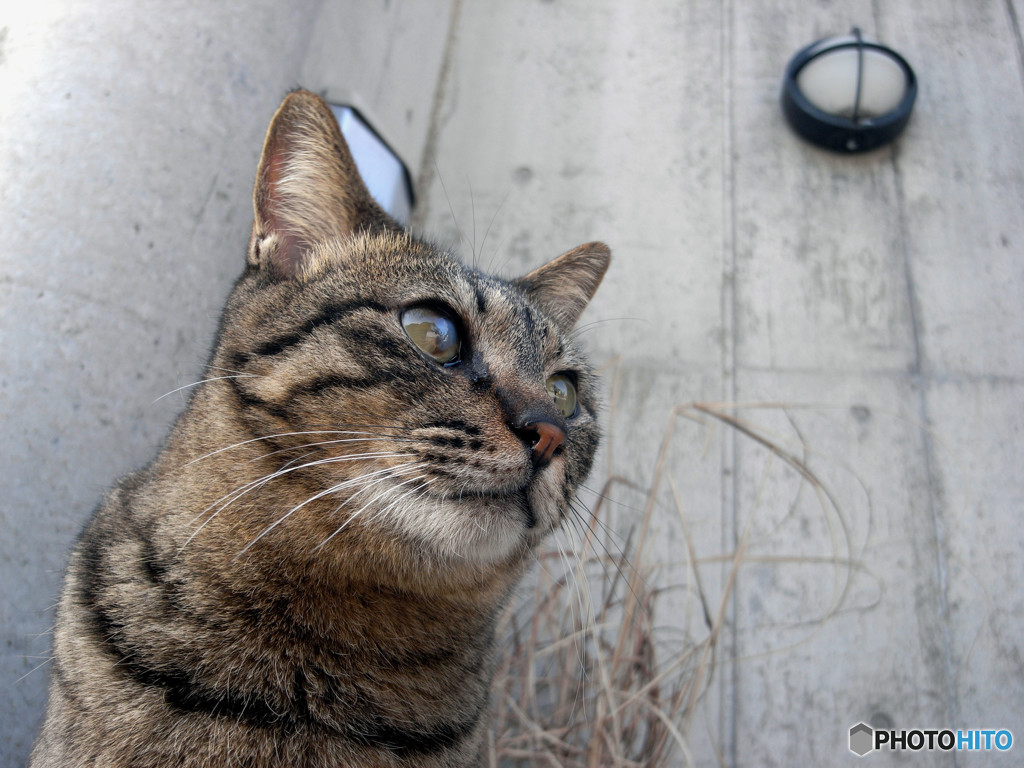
pixel 862 739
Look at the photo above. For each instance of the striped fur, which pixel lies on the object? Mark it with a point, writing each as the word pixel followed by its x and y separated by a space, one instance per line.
pixel 310 571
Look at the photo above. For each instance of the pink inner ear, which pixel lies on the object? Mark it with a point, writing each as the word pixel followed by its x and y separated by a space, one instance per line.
pixel 287 256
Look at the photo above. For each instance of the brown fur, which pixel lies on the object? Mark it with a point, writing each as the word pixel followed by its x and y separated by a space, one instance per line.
pixel 310 571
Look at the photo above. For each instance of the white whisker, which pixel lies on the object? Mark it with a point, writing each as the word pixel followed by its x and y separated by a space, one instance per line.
pixel 328 442
pixel 370 503
pixel 288 434
pixel 406 495
pixel 387 472
pixel 351 517
pixel 259 482
pixel 235 495
pixel 204 381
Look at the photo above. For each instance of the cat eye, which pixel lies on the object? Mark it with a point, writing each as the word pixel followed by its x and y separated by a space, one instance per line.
pixel 433 332
pixel 563 392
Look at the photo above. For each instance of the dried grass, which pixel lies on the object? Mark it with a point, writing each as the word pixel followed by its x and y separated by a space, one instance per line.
pixel 582 684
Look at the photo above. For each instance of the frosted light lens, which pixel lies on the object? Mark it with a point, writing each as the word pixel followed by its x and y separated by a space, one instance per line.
pixel 829 82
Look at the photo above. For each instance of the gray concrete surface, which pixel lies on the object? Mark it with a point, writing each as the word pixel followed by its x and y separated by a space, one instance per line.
pixel 865 314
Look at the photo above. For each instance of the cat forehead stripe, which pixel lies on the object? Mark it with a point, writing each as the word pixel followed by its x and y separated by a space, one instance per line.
pixel 327 315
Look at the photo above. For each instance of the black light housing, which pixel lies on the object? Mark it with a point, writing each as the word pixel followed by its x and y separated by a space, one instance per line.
pixel 848 94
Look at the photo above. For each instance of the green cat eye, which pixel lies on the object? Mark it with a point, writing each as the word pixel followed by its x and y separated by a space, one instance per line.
pixel 433 332
pixel 563 392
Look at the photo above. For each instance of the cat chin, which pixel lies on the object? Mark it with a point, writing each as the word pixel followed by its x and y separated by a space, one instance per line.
pixel 480 529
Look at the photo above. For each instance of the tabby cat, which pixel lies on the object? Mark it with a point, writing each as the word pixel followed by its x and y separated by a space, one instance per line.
pixel 310 571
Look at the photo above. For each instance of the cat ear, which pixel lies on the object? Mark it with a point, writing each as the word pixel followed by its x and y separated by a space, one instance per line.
pixel 563 287
pixel 307 188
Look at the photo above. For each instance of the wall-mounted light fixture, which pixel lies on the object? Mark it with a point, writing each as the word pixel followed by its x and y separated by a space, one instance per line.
pixel 384 174
pixel 848 94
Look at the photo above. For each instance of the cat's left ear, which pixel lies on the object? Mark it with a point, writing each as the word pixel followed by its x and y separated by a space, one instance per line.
pixel 307 188
pixel 563 287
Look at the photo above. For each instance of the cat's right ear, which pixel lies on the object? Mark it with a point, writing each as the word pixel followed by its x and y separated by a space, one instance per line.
pixel 307 188
pixel 563 287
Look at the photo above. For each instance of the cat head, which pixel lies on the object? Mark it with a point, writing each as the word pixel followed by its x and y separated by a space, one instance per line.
pixel 408 396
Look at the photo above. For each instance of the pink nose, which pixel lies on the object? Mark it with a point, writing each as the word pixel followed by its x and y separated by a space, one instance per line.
pixel 544 438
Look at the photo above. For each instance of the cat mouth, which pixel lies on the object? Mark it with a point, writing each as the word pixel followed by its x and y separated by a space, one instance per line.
pixel 496 501
pixel 517 499
pixel 499 495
